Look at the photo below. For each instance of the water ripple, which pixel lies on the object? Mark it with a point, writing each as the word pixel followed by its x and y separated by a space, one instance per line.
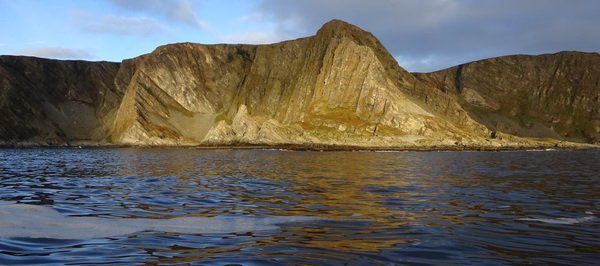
pixel 415 208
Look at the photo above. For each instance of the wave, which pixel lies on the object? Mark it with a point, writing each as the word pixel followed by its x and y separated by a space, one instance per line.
pixel 561 220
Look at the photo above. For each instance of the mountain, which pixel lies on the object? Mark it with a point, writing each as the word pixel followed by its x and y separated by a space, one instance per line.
pixel 339 87
pixel 53 102
pixel 551 95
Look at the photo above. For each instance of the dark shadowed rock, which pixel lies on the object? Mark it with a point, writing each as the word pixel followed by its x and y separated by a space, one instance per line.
pixel 45 101
pixel 551 95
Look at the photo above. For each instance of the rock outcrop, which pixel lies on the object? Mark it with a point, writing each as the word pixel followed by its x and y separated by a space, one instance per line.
pixel 551 95
pixel 55 102
pixel 339 87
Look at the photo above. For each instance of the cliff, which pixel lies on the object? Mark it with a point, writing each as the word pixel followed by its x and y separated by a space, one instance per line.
pixel 55 102
pixel 339 87
pixel 551 95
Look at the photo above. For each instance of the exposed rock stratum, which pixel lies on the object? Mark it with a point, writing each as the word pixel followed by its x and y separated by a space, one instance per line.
pixel 339 87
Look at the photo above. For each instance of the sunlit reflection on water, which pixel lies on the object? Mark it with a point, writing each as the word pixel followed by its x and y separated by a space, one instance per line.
pixel 372 208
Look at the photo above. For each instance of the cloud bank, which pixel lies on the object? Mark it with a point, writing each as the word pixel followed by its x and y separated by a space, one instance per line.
pixel 430 35
pixel 179 11
pixel 55 53
pixel 422 35
pixel 118 25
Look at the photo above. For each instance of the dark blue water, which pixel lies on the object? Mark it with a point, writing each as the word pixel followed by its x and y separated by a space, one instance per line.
pixel 373 208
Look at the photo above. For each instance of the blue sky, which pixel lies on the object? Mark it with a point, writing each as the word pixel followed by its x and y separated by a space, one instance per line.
pixel 423 35
pixel 115 30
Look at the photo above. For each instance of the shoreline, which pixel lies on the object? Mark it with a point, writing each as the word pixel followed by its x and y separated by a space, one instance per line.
pixel 315 147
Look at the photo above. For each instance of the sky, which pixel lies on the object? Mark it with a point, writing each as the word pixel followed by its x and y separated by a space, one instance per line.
pixel 423 35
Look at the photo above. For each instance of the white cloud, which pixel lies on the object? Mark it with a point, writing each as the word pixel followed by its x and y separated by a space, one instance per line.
pixel 424 63
pixel 417 63
pixel 55 52
pixel 181 11
pixel 450 31
pixel 92 23
pixel 250 37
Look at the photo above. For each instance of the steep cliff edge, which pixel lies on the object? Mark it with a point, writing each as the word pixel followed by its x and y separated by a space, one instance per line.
pixel 551 95
pixel 54 102
pixel 338 87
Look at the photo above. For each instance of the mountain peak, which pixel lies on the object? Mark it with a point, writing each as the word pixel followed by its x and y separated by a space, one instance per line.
pixel 338 27
pixel 337 23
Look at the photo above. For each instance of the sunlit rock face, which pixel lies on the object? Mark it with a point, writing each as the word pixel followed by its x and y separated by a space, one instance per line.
pixel 339 87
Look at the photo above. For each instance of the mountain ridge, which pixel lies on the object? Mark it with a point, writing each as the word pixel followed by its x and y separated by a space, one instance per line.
pixel 339 87
pixel 566 88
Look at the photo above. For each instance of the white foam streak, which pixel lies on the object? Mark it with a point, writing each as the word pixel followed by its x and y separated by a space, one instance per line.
pixel 560 220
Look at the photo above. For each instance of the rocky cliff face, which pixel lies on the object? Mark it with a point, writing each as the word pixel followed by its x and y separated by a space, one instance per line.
pixel 339 87
pixel 54 102
pixel 552 95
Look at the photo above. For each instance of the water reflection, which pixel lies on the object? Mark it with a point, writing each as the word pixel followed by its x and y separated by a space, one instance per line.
pixel 410 207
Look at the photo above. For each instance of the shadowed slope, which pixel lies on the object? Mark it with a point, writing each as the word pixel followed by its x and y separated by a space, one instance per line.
pixel 53 101
pixel 551 95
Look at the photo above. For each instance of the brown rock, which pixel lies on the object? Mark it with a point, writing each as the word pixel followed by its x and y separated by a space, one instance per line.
pixel 55 102
pixel 552 95
pixel 342 78
pixel 339 87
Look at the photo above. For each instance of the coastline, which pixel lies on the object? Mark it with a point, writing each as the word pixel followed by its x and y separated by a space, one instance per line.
pixel 314 147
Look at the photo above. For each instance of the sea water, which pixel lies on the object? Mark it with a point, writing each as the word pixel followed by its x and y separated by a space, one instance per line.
pixel 257 207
